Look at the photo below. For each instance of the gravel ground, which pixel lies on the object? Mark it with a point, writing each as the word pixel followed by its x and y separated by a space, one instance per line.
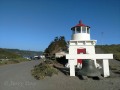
pixel 18 77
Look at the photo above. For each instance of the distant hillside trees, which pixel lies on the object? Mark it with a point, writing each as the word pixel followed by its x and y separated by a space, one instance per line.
pixel 58 44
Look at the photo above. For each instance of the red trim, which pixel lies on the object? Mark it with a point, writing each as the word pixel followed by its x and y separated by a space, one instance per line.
pixel 79 61
pixel 83 50
pixel 80 24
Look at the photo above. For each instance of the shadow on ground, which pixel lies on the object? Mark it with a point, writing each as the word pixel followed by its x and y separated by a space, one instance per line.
pixel 66 71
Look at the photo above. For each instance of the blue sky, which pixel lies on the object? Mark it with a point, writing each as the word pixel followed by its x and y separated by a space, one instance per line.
pixel 33 24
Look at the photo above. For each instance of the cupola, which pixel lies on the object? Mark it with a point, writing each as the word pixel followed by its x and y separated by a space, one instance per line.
pixel 80 32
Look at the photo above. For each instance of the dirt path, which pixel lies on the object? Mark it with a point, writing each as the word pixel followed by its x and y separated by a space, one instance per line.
pixel 18 77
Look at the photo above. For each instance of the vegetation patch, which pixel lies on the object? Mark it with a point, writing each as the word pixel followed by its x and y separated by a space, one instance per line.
pixel 113 67
pixel 58 44
pixel 44 69
pixel 9 56
pixel 115 49
pixel 12 61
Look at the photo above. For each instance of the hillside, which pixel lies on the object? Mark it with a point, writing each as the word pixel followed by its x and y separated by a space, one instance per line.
pixel 6 54
pixel 58 44
pixel 115 49
pixel 15 53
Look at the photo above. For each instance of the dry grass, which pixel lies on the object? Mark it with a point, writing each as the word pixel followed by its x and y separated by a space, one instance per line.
pixel 44 69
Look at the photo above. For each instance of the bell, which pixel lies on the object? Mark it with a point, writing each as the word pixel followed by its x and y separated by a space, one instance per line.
pixel 89 69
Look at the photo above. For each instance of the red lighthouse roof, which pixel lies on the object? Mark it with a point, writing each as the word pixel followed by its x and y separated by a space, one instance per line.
pixel 80 24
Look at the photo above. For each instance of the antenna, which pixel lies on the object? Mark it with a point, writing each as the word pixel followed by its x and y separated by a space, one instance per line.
pixel 102 38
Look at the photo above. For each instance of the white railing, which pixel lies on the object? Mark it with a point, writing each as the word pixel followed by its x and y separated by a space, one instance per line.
pixel 104 57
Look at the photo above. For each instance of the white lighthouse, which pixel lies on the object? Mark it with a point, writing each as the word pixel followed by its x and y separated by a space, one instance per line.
pixel 81 42
pixel 82 47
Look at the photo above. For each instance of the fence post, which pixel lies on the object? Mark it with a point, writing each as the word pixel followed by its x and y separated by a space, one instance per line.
pixel 72 67
pixel 106 71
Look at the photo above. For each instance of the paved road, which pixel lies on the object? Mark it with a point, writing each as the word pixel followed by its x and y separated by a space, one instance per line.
pixel 18 76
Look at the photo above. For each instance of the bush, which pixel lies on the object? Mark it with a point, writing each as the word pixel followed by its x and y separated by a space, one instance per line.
pixel 44 69
pixel 117 56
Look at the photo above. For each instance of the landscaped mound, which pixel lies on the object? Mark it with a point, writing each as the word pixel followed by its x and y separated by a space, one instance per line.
pixel 44 69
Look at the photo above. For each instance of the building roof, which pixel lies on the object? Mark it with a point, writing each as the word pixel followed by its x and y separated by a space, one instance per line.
pixel 80 24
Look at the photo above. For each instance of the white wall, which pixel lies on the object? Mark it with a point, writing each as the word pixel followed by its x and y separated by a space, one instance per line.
pixel 81 36
pixel 89 49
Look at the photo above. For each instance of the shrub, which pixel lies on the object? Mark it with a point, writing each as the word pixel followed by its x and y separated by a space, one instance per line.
pixel 117 56
pixel 43 69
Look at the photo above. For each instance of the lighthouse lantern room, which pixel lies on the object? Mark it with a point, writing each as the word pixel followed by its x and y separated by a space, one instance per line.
pixel 80 32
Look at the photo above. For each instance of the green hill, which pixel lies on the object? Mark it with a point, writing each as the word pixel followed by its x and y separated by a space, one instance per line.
pixel 6 54
pixel 16 53
pixel 114 48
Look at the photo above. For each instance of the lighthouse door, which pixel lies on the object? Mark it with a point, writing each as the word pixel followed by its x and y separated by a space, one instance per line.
pixel 83 51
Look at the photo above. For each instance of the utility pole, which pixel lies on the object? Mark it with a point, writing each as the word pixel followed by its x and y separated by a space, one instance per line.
pixel 102 38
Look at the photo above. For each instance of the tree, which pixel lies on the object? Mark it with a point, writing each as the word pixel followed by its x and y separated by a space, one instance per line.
pixel 56 45
pixel 56 39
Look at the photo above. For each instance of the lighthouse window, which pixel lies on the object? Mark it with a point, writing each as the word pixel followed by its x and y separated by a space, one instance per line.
pixel 83 29
pixel 88 31
pixel 78 30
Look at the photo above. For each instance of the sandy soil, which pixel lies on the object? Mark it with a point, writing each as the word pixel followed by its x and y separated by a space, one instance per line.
pixel 18 77
pixel 65 82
